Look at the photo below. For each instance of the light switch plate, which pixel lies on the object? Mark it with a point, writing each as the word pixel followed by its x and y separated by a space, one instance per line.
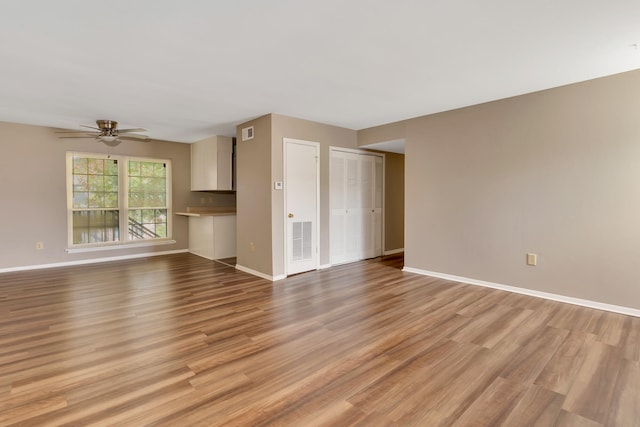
pixel 532 259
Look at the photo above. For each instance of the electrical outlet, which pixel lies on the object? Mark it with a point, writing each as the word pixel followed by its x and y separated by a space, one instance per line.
pixel 252 247
pixel 532 259
pixel 39 246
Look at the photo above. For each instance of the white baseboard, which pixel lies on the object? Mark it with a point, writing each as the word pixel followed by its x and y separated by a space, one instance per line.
pixel 259 274
pixel 89 261
pixel 394 251
pixel 324 266
pixel 554 297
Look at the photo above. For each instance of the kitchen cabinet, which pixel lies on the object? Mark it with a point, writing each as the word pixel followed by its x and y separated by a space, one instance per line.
pixel 212 164
pixel 212 236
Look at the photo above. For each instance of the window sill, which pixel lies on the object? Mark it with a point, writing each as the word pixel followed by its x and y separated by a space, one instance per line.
pixel 110 247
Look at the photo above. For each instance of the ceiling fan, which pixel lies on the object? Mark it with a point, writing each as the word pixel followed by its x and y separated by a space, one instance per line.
pixel 107 132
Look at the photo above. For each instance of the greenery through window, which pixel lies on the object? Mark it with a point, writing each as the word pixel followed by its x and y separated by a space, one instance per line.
pixel 108 194
pixel 147 200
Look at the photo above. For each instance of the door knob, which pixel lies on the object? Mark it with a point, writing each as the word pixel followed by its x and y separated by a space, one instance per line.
pixel 290 215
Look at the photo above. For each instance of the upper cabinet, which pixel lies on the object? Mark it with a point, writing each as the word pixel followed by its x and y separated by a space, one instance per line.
pixel 212 164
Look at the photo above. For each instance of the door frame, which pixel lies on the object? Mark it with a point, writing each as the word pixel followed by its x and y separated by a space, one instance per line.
pixel 316 145
pixel 384 190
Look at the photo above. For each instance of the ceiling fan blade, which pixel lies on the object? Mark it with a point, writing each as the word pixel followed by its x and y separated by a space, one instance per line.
pixel 71 131
pixel 133 136
pixel 83 136
pixel 106 132
pixel 131 130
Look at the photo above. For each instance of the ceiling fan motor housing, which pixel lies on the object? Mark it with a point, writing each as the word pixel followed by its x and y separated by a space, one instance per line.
pixel 108 127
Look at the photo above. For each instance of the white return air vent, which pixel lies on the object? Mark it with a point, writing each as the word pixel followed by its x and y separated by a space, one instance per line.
pixel 247 133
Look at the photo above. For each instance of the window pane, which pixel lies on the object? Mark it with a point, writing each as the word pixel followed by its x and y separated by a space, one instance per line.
pixel 148 216
pixel 134 168
pixel 96 200
pixel 135 215
pixel 111 183
pixel 80 165
pixel 96 183
pixel 96 219
pixel 96 235
pixel 155 200
pixel 147 190
pixel 161 230
pixel 112 218
pixel 147 223
pixel 158 185
pixel 161 216
pixel 81 219
pixel 111 167
pixel 95 166
pixel 135 184
pixel 136 200
pixel 110 200
pixel 146 168
pixel 95 227
pixel 80 183
pixel 160 170
pixel 80 199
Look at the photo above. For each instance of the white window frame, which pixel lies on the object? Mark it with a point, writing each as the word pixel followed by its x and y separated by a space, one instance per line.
pixel 123 204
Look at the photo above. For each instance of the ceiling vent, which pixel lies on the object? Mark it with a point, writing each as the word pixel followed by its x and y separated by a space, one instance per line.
pixel 247 133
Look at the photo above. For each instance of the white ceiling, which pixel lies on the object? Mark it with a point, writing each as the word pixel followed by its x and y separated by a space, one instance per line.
pixel 186 70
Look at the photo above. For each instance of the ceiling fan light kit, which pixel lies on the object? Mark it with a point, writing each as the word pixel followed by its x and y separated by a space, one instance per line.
pixel 110 140
pixel 108 133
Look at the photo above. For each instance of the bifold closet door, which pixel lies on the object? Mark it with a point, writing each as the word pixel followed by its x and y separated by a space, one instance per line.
pixel 356 206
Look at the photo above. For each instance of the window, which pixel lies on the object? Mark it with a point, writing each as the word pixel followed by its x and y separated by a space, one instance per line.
pixel 147 195
pixel 116 200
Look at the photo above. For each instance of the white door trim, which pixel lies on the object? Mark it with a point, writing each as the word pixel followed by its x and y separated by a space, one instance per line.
pixel 316 145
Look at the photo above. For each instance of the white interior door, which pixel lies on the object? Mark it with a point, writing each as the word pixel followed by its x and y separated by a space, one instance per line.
pixel 301 204
pixel 356 206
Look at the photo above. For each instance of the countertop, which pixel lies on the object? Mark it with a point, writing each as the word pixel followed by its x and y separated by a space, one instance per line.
pixel 201 211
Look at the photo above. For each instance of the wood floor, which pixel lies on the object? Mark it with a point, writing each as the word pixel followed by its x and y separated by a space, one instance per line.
pixel 179 341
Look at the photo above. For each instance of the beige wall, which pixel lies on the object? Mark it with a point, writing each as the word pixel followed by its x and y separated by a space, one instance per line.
pixel 261 216
pixel 555 173
pixel 394 202
pixel 34 201
pixel 327 136
pixel 254 197
pixel 383 133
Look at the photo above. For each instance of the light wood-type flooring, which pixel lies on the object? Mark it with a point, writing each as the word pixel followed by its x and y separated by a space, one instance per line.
pixel 182 341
